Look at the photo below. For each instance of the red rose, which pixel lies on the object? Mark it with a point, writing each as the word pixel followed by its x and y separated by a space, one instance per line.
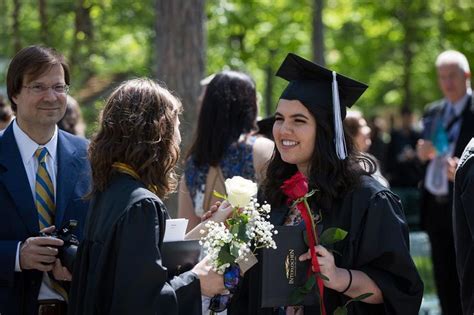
pixel 296 186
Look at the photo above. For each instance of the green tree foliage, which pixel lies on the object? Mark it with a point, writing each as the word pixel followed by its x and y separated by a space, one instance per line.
pixel 373 40
pixel 391 45
pixel 255 36
pixel 101 37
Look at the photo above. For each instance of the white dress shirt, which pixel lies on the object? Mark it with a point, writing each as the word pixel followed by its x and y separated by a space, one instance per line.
pixel 27 148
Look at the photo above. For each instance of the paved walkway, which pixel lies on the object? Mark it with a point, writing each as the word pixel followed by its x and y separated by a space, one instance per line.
pixel 420 251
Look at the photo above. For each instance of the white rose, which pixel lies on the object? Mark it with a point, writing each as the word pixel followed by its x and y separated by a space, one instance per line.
pixel 240 191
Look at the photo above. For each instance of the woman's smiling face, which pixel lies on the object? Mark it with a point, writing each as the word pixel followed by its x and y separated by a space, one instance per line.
pixel 294 132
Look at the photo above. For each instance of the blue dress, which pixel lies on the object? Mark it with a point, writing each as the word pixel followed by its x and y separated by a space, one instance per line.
pixel 237 161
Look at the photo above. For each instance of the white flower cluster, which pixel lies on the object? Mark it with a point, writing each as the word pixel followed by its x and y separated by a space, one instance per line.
pixel 251 231
pixel 259 230
pixel 217 237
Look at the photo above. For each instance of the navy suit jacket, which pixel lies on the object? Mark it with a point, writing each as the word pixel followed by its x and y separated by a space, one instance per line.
pixel 19 218
pixel 443 221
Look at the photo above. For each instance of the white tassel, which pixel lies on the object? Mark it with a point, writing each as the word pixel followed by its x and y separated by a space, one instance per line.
pixel 339 140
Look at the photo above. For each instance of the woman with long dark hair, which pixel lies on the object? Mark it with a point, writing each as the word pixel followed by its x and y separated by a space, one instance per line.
pixel 224 145
pixel 118 267
pixel 374 256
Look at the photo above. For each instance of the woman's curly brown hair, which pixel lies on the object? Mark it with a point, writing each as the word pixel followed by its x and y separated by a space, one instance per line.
pixel 138 127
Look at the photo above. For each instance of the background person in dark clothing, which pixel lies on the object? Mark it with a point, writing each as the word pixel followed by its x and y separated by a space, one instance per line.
pixel 378 137
pixel 403 169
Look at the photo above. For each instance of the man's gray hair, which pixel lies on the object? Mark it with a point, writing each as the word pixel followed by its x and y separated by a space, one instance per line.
pixel 453 57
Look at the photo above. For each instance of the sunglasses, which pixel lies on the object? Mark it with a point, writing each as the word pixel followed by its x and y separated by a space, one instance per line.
pixel 231 282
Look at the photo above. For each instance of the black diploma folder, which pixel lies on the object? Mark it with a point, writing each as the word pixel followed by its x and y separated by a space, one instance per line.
pixel 180 256
pixel 282 272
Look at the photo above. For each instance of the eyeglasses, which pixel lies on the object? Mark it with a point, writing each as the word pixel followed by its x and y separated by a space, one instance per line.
pixel 231 282
pixel 40 89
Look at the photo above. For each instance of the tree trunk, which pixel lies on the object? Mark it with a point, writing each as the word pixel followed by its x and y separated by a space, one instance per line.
pixel 180 54
pixel 407 65
pixel 270 79
pixel 83 35
pixel 442 28
pixel 180 59
pixel 406 16
pixel 318 32
pixel 16 25
pixel 4 26
pixel 43 17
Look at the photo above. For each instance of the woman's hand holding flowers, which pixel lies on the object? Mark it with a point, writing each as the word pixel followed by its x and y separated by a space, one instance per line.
pixel 219 212
pixel 211 282
pixel 355 284
pixel 210 213
pixel 223 212
pixel 232 234
pixel 333 277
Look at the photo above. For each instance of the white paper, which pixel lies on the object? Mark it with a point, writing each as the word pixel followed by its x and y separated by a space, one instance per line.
pixel 175 230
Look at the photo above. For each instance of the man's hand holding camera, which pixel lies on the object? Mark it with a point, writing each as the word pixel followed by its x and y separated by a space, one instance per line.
pixel 41 253
pixel 60 272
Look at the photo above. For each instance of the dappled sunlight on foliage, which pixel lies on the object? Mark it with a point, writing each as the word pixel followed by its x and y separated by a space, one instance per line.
pixel 390 45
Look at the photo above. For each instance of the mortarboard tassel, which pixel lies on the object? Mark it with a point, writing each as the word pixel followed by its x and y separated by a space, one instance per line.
pixel 339 140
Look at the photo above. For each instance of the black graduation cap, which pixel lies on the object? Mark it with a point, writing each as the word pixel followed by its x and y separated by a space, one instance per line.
pixel 315 86
pixel 265 127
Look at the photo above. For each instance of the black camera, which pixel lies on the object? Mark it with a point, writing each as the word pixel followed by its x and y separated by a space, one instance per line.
pixel 67 252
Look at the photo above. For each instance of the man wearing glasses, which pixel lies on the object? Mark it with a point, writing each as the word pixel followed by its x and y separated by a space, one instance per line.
pixel 44 174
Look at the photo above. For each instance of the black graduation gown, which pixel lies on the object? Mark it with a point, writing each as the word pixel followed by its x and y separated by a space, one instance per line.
pixel 377 244
pixel 118 266
pixel 463 221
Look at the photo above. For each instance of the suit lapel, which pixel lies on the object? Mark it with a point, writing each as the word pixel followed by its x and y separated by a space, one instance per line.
pixel 67 176
pixel 15 180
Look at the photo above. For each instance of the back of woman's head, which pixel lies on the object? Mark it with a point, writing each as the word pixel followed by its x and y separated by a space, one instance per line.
pixel 6 113
pixel 138 127
pixel 72 121
pixel 229 109
pixel 352 123
pixel 330 175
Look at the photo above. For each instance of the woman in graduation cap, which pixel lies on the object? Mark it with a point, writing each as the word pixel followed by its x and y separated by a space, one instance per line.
pixel 375 256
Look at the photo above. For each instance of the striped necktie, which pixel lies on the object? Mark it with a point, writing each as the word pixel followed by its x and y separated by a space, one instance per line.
pixel 44 191
pixel 44 200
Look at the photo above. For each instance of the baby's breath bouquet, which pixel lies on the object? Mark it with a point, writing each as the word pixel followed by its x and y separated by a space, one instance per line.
pixel 246 230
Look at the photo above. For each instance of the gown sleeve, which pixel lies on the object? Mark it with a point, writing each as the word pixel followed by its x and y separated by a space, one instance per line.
pixel 385 257
pixel 140 279
pixel 463 219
